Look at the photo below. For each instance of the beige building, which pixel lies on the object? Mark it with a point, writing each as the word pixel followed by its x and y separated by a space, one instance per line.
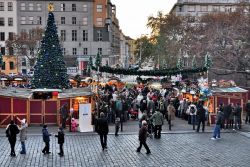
pixel 201 7
pixel 9 65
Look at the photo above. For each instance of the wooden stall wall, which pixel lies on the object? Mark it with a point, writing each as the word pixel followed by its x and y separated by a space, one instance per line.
pixel 50 112
pixel 5 111
pixel 20 110
pixel 36 112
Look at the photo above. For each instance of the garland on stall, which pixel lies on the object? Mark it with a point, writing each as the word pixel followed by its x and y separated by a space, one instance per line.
pixel 162 72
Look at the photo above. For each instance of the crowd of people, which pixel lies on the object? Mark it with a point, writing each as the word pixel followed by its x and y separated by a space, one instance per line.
pixel 149 106
pixel 142 103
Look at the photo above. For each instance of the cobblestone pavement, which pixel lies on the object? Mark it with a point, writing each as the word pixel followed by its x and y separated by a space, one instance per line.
pixel 172 150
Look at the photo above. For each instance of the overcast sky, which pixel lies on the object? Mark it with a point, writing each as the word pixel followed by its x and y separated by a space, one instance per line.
pixel 133 14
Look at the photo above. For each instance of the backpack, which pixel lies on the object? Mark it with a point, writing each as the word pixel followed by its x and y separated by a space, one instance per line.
pixel 192 110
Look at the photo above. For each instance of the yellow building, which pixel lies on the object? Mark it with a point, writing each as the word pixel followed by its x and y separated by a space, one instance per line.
pixel 9 65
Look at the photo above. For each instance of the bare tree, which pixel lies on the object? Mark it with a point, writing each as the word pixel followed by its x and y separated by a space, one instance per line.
pixel 26 44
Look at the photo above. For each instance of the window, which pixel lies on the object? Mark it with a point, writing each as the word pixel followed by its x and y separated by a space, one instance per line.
pixel 23 62
pixel 3 50
pixel 63 35
pixel 11 65
pixel 31 6
pixel 1 6
pixel 1 21
pixel 216 8
pixel 99 8
pixel 11 35
pixel 3 66
pixel 31 51
pixel 203 8
pixel 39 6
pixel 63 7
pixel 2 36
pixel 11 51
pixel 23 20
pixel 39 20
pixel 180 8
pixel 85 21
pixel 99 35
pixel 74 51
pixel 63 51
pixel 73 7
pixel 191 8
pixel 62 20
pixel 85 35
pixel 85 8
pixel 85 51
pixel 10 6
pixel 99 51
pixel 10 21
pixel 31 19
pixel 73 20
pixel 74 35
pixel 99 21
pixel 23 6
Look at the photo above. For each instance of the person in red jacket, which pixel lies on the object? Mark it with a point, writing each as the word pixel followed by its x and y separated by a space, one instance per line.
pixel 143 137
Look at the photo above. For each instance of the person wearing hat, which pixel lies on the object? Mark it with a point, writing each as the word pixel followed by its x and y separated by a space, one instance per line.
pixel 23 135
pixel 102 129
pixel 46 139
pixel 60 137
pixel 247 112
pixel 11 132
pixel 143 137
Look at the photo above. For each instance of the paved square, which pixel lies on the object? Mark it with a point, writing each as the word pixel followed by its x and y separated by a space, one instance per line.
pixel 171 150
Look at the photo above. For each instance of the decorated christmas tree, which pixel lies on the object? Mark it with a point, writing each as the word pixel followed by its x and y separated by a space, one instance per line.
pixel 50 68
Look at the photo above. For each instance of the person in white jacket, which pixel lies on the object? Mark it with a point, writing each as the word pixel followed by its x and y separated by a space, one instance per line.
pixel 192 110
pixel 23 135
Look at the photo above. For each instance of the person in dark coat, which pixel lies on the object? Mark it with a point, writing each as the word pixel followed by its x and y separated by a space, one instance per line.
pixel 46 139
pixel 238 111
pixel 247 112
pixel 201 115
pixel 102 129
pixel 65 113
pixel 60 137
pixel 11 132
pixel 143 137
pixel 227 112
pixel 218 122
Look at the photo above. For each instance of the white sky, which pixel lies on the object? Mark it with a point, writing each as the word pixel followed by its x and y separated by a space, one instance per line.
pixel 133 14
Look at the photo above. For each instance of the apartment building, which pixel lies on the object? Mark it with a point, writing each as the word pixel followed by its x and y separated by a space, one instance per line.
pixel 85 28
pixel 8 27
pixel 201 7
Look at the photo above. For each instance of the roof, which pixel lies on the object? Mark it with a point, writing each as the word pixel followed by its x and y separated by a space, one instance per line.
pixel 229 90
pixel 27 93
pixel 46 90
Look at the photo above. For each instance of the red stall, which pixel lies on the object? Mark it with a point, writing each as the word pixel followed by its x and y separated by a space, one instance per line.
pixel 39 106
pixel 226 96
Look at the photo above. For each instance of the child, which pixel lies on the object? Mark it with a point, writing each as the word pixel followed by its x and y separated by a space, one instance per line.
pixel 117 125
pixel 60 137
pixel 73 125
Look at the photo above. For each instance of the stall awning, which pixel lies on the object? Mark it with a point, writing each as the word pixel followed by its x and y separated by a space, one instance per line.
pixel 46 90
pixel 229 90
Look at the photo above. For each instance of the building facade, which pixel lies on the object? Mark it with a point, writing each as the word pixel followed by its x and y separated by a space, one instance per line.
pixel 8 27
pixel 85 28
pixel 201 7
